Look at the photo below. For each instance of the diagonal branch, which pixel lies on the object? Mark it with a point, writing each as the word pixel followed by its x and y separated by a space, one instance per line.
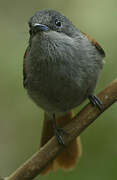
pixel 32 167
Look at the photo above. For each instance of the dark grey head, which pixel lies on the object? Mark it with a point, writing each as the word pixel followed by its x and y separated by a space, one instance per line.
pixel 51 20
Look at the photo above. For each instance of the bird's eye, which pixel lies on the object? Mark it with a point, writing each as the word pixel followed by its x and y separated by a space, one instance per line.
pixel 58 23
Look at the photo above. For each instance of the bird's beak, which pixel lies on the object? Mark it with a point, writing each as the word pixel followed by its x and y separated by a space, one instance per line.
pixel 40 27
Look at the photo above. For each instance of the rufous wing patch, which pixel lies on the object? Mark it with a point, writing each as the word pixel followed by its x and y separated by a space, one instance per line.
pixel 95 43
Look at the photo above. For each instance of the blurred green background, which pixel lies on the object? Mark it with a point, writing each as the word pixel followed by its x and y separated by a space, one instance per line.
pixel 21 119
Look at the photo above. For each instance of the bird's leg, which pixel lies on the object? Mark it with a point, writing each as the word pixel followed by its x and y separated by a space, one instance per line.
pixel 96 102
pixel 58 131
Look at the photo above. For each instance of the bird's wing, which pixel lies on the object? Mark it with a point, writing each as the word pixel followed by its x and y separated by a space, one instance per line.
pixel 94 43
pixel 24 67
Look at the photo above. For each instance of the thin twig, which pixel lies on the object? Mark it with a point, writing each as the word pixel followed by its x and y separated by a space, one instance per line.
pixel 49 151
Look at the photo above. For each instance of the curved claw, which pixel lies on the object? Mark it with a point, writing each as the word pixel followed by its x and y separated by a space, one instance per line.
pixel 96 102
pixel 58 131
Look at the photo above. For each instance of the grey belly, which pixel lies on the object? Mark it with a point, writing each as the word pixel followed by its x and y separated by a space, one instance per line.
pixel 58 96
pixel 61 88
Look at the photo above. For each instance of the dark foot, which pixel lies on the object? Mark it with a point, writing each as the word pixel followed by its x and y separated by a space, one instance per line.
pixel 58 131
pixel 96 102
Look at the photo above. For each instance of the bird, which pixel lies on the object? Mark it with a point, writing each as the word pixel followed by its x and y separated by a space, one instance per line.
pixel 61 66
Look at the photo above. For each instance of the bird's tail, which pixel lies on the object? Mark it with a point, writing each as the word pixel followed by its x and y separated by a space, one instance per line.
pixel 68 158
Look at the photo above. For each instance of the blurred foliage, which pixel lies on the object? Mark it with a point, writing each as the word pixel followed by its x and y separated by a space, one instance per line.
pixel 21 119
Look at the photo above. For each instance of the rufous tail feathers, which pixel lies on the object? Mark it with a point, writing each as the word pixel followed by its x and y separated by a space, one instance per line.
pixel 68 158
